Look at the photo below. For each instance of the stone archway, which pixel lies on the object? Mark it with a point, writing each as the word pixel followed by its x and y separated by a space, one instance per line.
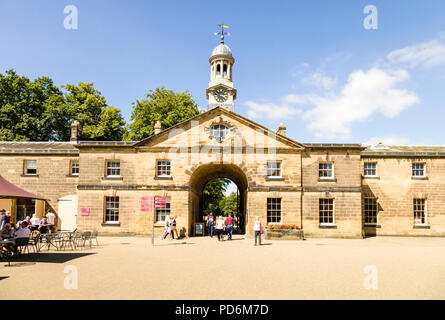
pixel 206 173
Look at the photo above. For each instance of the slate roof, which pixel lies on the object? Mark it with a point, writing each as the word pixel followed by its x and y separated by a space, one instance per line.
pixel 32 147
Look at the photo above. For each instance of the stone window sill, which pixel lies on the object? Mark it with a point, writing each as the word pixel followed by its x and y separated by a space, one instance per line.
pixel 371 177
pixel 163 178
pixel 29 175
pixel 373 225
pixel 419 178
pixel 112 178
pixel 327 179
pixel 274 178
pixel 421 226
pixel 107 224
pixel 72 176
pixel 327 226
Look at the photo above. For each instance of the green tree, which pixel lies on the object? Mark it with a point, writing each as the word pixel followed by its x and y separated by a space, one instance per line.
pixel 213 193
pixel 39 111
pixel 165 105
pixel 98 120
pixel 31 110
pixel 229 204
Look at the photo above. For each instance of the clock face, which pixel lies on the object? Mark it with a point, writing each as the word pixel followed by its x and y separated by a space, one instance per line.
pixel 221 95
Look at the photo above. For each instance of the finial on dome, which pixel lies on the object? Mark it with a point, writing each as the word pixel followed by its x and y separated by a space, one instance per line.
pixel 222 32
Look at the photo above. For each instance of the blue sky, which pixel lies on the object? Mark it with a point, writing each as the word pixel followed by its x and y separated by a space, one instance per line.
pixel 309 64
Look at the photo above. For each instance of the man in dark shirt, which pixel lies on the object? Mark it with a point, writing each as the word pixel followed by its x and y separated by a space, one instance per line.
pixel 229 226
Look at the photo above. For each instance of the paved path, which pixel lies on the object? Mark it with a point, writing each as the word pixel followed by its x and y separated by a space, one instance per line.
pixel 202 268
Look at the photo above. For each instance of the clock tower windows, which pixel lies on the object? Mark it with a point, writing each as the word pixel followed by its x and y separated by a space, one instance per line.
pixel 221 91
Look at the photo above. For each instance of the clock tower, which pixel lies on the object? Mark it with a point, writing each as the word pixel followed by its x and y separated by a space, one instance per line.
pixel 220 91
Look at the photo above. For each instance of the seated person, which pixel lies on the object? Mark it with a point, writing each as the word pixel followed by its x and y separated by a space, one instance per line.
pixel 28 220
pixel 7 232
pixel 43 227
pixel 23 232
pixel 34 222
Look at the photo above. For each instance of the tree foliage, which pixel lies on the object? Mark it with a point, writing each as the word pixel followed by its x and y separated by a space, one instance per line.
pixel 98 120
pixel 228 204
pixel 31 110
pixel 213 193
pixel 40 111
pixel 161 104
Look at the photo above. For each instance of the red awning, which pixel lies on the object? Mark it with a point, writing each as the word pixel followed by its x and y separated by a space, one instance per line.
pixel 11 191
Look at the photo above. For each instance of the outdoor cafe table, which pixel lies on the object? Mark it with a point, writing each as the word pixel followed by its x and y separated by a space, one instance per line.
pixel 48 239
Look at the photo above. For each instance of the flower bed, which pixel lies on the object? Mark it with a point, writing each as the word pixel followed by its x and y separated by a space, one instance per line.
pixel 284 232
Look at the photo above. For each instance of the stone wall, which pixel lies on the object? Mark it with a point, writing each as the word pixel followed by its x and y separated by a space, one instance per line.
pixel 395 188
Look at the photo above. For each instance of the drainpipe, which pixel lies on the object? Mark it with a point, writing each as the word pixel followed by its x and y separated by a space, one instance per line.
pixel 301 193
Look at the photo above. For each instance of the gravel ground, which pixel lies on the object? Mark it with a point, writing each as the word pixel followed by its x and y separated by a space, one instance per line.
pixel 203 268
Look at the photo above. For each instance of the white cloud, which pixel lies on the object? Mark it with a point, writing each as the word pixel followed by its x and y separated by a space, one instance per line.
pixel 365 93
pixel 427 55
pixel 391 140
pixel 271 111
pixel 320 81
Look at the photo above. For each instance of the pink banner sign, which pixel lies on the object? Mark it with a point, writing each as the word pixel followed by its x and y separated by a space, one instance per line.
pixel 160 202
pixel 146 204
pixel 85 211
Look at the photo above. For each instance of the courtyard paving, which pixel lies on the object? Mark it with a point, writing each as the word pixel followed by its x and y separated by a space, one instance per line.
pixel 203 268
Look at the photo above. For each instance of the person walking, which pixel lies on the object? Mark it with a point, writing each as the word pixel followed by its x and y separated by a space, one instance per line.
pixel 219 228
pixel 257 229
pixel 166 228
pixel 229 226
pixel 174 231
pixel 211 224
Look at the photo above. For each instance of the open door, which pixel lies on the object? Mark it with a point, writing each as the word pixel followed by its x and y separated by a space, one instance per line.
pixel 67 212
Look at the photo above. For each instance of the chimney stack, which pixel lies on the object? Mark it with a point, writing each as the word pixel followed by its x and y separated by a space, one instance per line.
pixel 75 131
pixel 158 127
pixel 281 129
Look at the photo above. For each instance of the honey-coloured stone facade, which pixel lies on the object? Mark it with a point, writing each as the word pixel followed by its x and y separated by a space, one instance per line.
pixel 196 157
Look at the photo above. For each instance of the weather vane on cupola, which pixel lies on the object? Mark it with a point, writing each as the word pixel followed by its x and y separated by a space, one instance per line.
pixel 222 32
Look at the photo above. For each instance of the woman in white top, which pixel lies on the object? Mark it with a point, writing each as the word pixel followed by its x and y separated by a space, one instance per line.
pixel 167 228
pixel 220 225
pixel 258 229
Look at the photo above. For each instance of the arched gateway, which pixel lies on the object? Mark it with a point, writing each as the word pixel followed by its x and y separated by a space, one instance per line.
pixel 206 173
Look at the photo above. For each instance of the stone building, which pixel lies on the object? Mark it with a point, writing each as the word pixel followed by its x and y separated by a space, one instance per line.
pixel 330 190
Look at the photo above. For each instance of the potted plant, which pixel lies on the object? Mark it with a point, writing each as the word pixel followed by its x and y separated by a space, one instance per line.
pixel 284 232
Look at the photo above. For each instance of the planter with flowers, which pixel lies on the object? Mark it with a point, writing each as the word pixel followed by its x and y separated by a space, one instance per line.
pixel 284 232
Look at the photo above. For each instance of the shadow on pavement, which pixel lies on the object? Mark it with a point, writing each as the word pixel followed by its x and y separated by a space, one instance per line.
pixel 51 257
pixel 172 244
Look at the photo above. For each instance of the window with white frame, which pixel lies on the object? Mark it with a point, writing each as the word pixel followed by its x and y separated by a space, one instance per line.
pixel 163 168
pixel 30 167
pixel 326 170
pixel 113 168
pixel 326 211
pixel 273 169
pixel 370 207
pixel 370 169
pixel 273 210
pixel 419 207
pixel 219 132
pixel 162 213
pixel 418 169
pixel 111 209
pixel 74 167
